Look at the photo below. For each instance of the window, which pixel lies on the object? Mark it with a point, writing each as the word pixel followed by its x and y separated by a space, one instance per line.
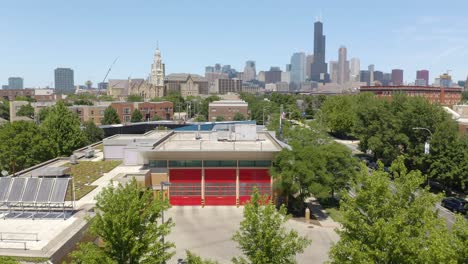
pixel 126 110
pixel 158 163
pixel 220 163
pixel 185 163
pixel 254 163
pixel 127 118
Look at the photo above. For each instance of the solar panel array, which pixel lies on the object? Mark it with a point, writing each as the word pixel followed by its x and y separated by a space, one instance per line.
pixel 23 191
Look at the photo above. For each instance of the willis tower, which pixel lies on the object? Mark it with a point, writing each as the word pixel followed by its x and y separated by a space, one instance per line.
pixel 318 69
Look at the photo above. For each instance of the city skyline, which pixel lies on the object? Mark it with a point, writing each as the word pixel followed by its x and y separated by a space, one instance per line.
pixel 88 46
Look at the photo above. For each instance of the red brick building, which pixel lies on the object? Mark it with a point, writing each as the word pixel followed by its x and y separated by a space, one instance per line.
pixel 441 95
pixel 165 110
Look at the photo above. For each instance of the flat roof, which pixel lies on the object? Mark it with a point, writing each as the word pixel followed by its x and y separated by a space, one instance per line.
pixel 125 139
pixel 215 141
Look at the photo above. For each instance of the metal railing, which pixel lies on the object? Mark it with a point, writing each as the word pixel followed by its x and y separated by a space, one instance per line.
pixel 7 236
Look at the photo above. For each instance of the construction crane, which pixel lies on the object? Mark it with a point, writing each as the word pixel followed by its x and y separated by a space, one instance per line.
pixel 108 71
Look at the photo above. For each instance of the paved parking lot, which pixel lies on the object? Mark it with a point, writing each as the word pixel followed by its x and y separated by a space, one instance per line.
pixel 208 231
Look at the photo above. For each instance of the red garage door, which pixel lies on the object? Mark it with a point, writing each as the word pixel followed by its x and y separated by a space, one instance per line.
pixel 185 186
pixel 248 178
pixel 220 186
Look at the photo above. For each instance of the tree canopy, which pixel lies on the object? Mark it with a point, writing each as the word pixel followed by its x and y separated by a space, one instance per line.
pixel 395 222
pixel 127 220
pixel 239 117
pixel 136 116
pixel 110 116
pixel 135 98
pixel 62 127
pixel 93 133
pixel 22 145
pixel 262 236
pixel 26 110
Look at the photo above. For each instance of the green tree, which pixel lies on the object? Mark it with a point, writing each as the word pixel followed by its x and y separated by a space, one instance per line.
pixel 62 127
pixel 89 253
pixel 338 114
pixel 239 117
pixel 127 220
pixel 25 98
pixel 135 98
pixel 200 118
pixel 156 118
pixel 93 133
pixel 219 118
pixel 194 259
pixel 136 116
pixel 43 113
pixel 106 98
pixel 205 104
pixel 5 109
pixel 393 222
pixel 110 116
pixel 22 145
pixel 262 237
pixel 26 110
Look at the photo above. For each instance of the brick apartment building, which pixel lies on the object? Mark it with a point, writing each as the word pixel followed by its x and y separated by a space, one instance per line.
pixel 227 109
pixel 165 110
pixel 446 96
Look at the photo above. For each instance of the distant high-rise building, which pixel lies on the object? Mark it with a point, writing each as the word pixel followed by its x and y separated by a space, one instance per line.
pixel 15 83
pixel 343 66
pixel 355 67
pixel 224 86
pixel 249 71
pixel 387 79
pixel 298 67
pixel 371 69
pixel 64 81
pixel 261 76
pixel 288 67
pixel 273 75
pixel 286 77
pixel 209 69
pixel 103 85
pixel 217 67
pixel 445 80
pixel 364 76
pixel 226 69
pixel 309 61
pixel 423 75
pixel 397 77
pixel 318 69
pixel 334 71
pixel 5 87
pixel 378 76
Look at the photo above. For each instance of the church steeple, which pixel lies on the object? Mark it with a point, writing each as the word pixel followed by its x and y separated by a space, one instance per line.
pixel 157 69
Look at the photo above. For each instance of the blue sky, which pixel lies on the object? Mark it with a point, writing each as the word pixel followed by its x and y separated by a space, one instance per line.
pixel 38 36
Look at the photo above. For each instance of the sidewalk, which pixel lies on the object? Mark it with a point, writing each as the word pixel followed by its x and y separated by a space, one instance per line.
pixel 317 211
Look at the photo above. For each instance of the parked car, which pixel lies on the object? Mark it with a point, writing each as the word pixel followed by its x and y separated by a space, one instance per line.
pixel 455 204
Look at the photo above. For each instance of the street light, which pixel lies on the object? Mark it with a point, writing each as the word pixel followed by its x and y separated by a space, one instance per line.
pixel 167 184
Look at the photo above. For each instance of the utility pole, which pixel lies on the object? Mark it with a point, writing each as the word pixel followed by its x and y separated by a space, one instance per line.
pixel 281 123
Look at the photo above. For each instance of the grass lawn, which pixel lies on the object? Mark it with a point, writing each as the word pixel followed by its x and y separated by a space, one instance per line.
pixel 82 170
pixel 332 207
pixel 17 260
pixel 99 147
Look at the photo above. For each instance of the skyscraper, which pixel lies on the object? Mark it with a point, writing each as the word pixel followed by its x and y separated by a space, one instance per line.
pixel 249 71
pixel 15 83
pixel 209 69
pixel 364 76
pixel 64 81
pixel 355 67
pixel 318 69
pixel 423 75
pixel 397 77
pixel 378 76
pixel 309 61
pixel 343 66
pixel 298 67
pixel 371 69
pixel 333 71
pixel 387 78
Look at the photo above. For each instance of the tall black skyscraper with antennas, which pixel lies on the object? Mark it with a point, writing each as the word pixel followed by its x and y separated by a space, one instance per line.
pixel 318 69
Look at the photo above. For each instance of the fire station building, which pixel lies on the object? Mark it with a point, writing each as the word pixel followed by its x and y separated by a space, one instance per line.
pixel 219 167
